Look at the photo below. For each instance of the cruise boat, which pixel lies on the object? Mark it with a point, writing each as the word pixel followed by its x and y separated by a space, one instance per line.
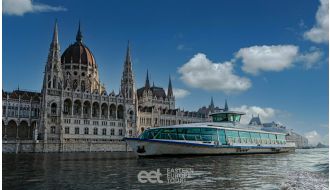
pixel 224 135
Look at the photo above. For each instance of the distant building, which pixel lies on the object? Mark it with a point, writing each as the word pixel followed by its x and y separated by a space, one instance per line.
pixel 300 141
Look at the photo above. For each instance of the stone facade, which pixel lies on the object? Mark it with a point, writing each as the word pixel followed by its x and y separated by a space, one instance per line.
pixel 74 108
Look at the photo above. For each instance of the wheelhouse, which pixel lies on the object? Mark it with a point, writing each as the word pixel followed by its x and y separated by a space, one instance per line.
pixel 227 116
pixel 221 136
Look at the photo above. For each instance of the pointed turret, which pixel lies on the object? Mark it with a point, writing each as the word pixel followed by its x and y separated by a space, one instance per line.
pixel 211 106
pixel 79 35
pixel 127 82
pixel 169 89
pixel 55 35
pixel 226 106
pixel 53 72
pixel 147 84
pixel 128 54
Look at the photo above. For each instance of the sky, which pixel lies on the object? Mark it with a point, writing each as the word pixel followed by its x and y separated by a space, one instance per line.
pixel 265 57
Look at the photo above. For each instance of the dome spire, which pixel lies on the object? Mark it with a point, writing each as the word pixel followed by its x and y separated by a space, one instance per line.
pixel 147 84
pixel 79 35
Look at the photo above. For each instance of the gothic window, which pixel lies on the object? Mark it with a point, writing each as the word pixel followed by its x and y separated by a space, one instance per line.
pixel 67 106
pixel 52 130
pixel 76 130
pixel 49 84
pixel 86 131
pixel 53 108
pixel 112 132
pixel 75 84
pixel 77 107
pixel 130 133
pixel 95 132
pixel 104 131
pixel 120 132
pixel 120 112
pixel 59 84
pixel 95 110
pixel 54 82
pixel 83 88
pixel 67 130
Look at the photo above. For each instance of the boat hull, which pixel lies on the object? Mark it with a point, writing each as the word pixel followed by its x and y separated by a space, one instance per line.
pixel 151 147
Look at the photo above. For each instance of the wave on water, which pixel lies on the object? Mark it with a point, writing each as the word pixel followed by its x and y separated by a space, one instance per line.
pixel 305 181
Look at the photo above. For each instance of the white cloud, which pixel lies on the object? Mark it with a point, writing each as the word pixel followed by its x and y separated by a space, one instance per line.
pixel 180 93
pixel 200 72
pixel 265 114
pixel 311 58
pixel 182 47
pixel 314 138
pixel 320 31
pixel 20 7
pixel 267 58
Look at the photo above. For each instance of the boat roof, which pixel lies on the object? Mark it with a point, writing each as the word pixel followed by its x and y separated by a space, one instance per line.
pixel 228 112
pixel 222 125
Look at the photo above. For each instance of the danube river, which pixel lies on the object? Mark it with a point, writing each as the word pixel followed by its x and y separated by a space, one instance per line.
pixel 304 169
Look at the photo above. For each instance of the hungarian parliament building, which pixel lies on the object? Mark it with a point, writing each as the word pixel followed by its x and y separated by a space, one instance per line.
pixel 74 106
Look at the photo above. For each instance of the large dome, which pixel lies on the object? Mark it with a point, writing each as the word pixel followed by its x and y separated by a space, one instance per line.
pixel 78 53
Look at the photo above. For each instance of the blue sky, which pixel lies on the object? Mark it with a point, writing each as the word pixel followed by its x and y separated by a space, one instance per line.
pixel 268 58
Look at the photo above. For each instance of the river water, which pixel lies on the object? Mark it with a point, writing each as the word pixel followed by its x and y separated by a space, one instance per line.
pixel 304 169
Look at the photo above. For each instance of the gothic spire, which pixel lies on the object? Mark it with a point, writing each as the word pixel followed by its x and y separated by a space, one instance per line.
pixel 211 106
pixel 147 84
pixel 79 35
pixel 53 66
pixel 55 35
pixel 212 103
pixel 128 54
pixel 169 89
pixel 226 106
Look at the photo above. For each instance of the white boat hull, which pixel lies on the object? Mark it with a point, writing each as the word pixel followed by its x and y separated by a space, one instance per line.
pixel 152 147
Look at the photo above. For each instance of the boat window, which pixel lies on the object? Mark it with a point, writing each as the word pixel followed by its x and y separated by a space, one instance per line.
pixel 209 134
pixel 272 136
pixel 149 134
pixel 244 134
pixel 264 136
pixel 222 136
pixel 234 117
pixel 255 135
pixel 167 133
pixel 219 117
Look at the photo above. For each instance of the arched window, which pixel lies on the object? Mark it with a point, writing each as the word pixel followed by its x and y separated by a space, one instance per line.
pixel 77 107
pixel 120 132
pixel 53 108
pixel 75 84
pixel 83 88
pixel 120 112
pixel 95 132
pixel 54 82
pixel 52 129
pixel 112 132
pixel 104 131
pixel 67 107
pixel 86 131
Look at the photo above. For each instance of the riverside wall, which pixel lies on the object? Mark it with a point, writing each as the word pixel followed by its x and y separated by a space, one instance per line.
pixel 21 146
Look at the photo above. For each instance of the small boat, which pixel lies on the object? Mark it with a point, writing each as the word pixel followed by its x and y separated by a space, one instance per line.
pixel 225 135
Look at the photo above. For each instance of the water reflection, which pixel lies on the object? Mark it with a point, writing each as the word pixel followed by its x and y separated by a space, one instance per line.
pixel 119 171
